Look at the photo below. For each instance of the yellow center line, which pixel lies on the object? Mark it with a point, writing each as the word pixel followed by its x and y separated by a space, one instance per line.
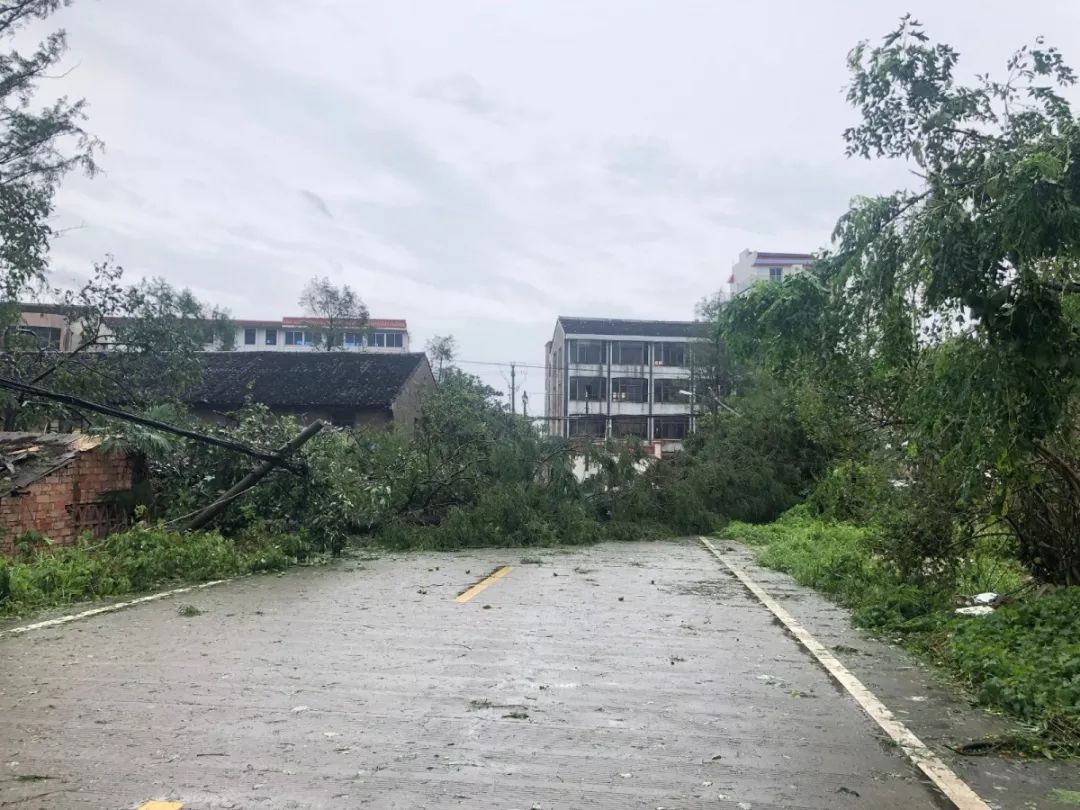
pixel 158 805
pixel 497 574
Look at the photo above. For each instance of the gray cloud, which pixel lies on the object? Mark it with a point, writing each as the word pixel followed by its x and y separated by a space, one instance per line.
pixel 317 202
pixel 461 91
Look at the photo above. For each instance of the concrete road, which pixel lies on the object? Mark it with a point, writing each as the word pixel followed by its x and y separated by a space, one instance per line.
pixel 618 676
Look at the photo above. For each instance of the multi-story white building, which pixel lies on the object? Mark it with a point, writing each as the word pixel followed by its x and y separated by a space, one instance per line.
pixel 620 378
pixel 755 265
pixel 291 334
pixel 51 325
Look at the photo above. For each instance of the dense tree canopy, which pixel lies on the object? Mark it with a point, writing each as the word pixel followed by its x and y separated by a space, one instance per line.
pixel 40 141
pixel 941 328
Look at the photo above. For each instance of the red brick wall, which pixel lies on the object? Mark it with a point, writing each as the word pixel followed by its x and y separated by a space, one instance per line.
pixel 48 505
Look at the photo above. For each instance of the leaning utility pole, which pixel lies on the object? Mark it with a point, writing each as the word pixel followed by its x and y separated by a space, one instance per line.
pixel 252 478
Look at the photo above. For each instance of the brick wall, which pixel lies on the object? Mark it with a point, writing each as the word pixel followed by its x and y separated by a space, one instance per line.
pixel 62 505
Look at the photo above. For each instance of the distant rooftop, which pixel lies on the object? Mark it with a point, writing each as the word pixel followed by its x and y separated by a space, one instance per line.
pixel 294 379
pixel 630 326
pixel 290 320
pixel 370 323
pixel 775 259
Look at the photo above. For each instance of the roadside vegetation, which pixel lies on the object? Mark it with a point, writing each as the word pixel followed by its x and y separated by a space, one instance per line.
pixel 138 560
pixel 1020 660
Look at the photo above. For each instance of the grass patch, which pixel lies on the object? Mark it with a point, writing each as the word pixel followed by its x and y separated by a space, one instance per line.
pixel 1067 796
pixel 1023 660
pixel 138 560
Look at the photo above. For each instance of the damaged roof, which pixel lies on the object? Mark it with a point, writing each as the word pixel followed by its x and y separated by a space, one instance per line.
pixel 29 457
pixel 302 379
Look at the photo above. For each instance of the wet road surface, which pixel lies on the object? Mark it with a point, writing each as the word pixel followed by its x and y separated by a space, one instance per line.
pixel 616 676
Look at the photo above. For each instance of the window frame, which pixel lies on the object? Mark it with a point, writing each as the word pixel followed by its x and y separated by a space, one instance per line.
pixel 776 274
pixel 619 423
pixel 618 384
pixel 660 422
pixel 662 349
pixel 598 424
pixel 576 347
pixel 270 338
pixel 618 346
pixel 675 385
pixel 253 333
pixel 48 337
pixel 574 389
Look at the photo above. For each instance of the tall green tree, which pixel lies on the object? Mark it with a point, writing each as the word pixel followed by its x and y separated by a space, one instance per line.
pixel 441 350
pixel 334 311
pixel 138 345
pixel 41 140
pixel 943 322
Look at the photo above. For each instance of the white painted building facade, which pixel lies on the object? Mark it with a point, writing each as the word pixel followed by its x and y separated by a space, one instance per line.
pixel 617 378
pixel 296 334
pixel 51 325
pixel 755 265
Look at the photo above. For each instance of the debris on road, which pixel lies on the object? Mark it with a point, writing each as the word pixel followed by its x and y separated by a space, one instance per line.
pixel 975 610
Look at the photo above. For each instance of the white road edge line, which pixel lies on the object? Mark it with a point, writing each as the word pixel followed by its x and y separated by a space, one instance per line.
pixel 955 789
pixel 86 614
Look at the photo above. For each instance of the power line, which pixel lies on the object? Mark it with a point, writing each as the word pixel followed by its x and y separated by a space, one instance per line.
pixel 515 363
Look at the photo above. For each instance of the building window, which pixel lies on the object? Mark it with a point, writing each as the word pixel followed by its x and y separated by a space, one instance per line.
pixel 390 340
pixel 670 354
pixel 588 352
pixel 45 337
pixel 629 389
pixel 591 426
pixel 249 337
pixel 296 337
pixel 353 340
pixel 671 427
pixel 671 391
pixel 628 353
pixel 588 389
pixel 625 426
pixel 776 274
pixel 271 337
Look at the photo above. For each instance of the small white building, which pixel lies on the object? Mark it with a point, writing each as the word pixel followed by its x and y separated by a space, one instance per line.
pixel 615 378
pixel 294 334
pixel 55 327
pixel 756 265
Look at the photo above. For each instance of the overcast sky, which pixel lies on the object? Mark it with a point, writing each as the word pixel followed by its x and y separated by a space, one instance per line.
pixel 480 167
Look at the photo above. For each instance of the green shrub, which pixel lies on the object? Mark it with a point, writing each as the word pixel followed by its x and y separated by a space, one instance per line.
pixel 1024 657
pixel 137 560
pixel 850 491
